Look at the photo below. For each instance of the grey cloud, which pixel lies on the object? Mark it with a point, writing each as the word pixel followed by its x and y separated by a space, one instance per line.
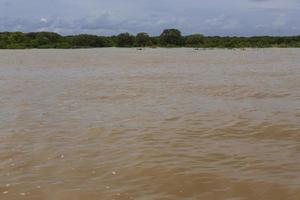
pixel 218 17
pixel 259 0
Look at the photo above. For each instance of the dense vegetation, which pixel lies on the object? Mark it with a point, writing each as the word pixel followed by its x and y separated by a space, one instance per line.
pixel 168 38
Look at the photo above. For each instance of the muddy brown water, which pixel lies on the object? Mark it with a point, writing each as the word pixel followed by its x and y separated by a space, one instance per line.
pixel 152 124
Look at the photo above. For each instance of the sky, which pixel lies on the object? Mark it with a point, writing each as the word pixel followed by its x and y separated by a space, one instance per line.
pixel 110 17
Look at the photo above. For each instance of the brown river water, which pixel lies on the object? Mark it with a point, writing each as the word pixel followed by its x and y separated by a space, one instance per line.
pixel 157 124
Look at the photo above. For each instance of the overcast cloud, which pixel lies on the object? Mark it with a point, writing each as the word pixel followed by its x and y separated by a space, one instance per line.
pixel 214 17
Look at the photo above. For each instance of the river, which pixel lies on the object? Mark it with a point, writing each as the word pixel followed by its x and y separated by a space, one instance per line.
pixel 161 124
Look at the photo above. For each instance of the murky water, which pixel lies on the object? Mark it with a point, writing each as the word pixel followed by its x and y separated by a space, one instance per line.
pixel 153 124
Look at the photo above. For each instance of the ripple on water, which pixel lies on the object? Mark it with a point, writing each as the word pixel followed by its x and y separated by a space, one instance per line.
pixel 163 124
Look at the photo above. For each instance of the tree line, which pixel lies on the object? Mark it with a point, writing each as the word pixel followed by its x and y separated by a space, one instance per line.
pixel 168 38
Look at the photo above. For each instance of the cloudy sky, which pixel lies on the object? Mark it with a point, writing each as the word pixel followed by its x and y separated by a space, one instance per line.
pixel 106 17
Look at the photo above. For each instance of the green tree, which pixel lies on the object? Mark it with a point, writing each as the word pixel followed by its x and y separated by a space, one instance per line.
pixel 196 40
pixel 125 40
pixel 85 40
pixel 16 37
pixel 171 37
pixel 3 40
pixel 143 39
pixel 40 39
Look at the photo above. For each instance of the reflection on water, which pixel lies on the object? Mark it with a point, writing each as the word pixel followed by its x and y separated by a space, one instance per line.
pixel 153 124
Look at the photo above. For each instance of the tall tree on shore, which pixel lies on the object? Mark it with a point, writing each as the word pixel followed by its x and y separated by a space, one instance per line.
pixel 143 39
pixel 125 40
pixel 171 37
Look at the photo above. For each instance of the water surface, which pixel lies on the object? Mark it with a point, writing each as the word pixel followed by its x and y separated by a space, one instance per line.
pixel 152 124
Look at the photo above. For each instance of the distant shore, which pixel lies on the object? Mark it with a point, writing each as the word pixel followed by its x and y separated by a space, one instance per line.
pixel 148 48
pixel 169 38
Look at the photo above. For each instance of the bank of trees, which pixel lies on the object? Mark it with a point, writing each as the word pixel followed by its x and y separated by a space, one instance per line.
pixel 168 38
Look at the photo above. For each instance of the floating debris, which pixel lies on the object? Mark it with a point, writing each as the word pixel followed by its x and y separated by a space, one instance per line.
pixel 62 156
pixel 107 187
pixel 113 173
pixel 22 194
pixel 5 192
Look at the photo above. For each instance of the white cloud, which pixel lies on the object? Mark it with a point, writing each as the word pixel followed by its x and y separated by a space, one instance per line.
pixel 45 20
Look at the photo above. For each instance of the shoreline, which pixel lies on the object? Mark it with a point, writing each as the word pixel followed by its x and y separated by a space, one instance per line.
pixel 144 48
